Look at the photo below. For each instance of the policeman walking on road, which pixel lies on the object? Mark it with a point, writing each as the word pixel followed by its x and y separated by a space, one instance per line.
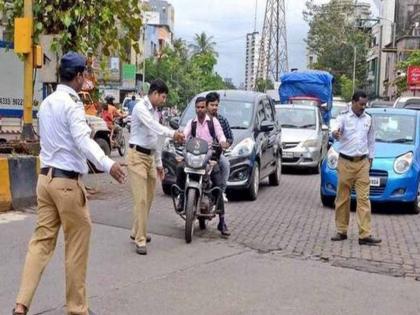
pixel 61 195
pixel 144 158
pixel 355 131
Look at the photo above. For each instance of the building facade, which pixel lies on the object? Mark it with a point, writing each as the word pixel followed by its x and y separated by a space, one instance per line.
pixel 251 60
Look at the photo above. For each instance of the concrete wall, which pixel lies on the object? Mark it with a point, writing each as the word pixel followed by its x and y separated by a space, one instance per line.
pixel 18 178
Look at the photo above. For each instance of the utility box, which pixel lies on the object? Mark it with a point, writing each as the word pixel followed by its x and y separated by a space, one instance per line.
pixel 38 56
pixel 23 35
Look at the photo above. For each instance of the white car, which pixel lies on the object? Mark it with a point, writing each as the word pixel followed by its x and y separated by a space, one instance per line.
pixel 409 102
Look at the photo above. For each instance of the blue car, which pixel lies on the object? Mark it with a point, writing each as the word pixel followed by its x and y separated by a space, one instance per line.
pixel 395 173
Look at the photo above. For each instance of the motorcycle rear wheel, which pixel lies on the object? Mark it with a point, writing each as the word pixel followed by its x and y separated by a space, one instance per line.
pixel 121 145
pixel 190 214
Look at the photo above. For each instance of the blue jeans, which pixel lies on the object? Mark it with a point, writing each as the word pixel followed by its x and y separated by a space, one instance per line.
pixel 225 170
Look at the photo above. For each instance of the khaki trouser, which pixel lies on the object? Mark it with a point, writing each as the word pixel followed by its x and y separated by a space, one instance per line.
pixel 61 201
pixel 353 173
pixel 142 176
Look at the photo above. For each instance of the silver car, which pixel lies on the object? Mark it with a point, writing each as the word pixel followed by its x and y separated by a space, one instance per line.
pixel 304 138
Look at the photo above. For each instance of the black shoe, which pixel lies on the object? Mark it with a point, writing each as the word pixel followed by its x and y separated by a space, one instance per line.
pixel 223 229
pixel 339 237
pixel 148 238
pixel 141 250
pixel 370 240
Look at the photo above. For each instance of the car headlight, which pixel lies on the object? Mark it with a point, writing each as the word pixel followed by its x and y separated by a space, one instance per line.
pixel 195 161
pixel 402 163
pixel 332 158
pixel 243 148
pixel 310 143
pixel 169 146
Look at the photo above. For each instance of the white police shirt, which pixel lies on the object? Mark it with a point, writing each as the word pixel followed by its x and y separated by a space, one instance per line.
pixel 357 134
pixel 65 134
pixel 146 131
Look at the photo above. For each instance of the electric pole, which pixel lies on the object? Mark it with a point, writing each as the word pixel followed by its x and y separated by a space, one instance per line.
pixel 273 57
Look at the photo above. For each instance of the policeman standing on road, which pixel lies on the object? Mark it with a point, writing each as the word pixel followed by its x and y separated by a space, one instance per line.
pixel 144 158
pixel 355 131
pixel 61 195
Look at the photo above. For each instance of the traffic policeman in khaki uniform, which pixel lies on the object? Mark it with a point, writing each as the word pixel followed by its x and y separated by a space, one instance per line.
pixel 145 158
pixel 356 134
pixel 65 148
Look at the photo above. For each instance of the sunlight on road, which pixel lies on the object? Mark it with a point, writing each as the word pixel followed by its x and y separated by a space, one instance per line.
pixel 11 216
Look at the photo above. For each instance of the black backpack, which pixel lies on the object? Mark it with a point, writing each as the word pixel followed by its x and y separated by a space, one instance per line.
pixel 211 129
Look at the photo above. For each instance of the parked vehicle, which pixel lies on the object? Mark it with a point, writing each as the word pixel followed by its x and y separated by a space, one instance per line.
pixel 395 173
pixel 380 104
pixel 409 102
pixel 202 201
pixel 308 88
pixel 304 137
pixel 256 151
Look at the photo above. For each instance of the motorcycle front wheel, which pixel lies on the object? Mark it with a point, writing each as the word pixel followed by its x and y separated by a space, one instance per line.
pixel 190 214
pixel 121 144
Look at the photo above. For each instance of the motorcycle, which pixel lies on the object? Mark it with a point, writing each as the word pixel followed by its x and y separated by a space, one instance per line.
pixel 202 201
pixel 118 139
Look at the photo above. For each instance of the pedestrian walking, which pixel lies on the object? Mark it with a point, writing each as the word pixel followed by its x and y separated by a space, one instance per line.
pixel 61 195
pixel 356 133
pixel 144 158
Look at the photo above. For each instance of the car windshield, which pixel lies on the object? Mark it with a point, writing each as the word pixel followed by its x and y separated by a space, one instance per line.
pixel 337 109
pixel 237 113
pixel 395 128
pixel 290 117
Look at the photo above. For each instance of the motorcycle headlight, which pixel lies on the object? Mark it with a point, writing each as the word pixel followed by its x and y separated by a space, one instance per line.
pixel 332 158
pixel 243 148
pixel 403 162
pixel 169 146
pixel 195 161
pixel 310 143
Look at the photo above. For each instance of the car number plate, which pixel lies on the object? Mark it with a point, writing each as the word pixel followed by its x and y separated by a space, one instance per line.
pixel 375 181
pixel 288 154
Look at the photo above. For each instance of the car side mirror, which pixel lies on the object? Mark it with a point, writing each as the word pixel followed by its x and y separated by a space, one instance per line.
pixel 325 128
pixel 266 126
pixel 174 123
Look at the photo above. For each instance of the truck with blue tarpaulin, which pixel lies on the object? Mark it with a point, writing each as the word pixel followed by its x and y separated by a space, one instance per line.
pixel 308 87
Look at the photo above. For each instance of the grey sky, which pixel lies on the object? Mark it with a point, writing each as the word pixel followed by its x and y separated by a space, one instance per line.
pixel 228 21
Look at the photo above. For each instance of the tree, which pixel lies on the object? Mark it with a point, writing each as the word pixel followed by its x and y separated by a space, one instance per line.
pixel 334 36
pixel 185 76
pixel 346 88
pixel 401 82
pixel 110 25
pixel 263 85
pixel 203 44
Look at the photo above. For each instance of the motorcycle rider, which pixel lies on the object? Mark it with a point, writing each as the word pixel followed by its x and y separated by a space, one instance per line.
pixel 212 102
pixel 210 130
pixel 113 112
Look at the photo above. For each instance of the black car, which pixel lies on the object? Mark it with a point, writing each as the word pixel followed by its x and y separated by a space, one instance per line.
pixel 256 150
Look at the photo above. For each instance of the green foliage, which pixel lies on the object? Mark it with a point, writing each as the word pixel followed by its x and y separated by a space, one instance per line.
pixel 333 36
pixel 346 88
pixel 109 25
pixel 263 85
pixel 412 60
pixel 185 73
pixel 203 44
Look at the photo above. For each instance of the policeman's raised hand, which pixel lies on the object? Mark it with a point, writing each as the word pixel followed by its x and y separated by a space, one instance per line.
pixel 179 137
pixel 337 134
pixel 118 173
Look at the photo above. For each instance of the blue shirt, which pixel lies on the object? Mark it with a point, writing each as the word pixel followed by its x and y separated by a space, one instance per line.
pixel 130 106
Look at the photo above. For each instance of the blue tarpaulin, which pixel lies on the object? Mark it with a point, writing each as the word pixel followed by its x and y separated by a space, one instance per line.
pixel 308 83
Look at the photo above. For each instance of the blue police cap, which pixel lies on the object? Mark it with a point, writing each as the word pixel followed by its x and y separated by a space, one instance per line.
pixel 73 60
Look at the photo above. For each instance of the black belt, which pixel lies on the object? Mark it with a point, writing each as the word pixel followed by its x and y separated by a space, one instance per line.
pixel 140 149
pixel 56 172
pixel 353 158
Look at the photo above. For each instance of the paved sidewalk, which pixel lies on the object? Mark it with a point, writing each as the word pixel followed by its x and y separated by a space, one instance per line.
pixel 205 277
